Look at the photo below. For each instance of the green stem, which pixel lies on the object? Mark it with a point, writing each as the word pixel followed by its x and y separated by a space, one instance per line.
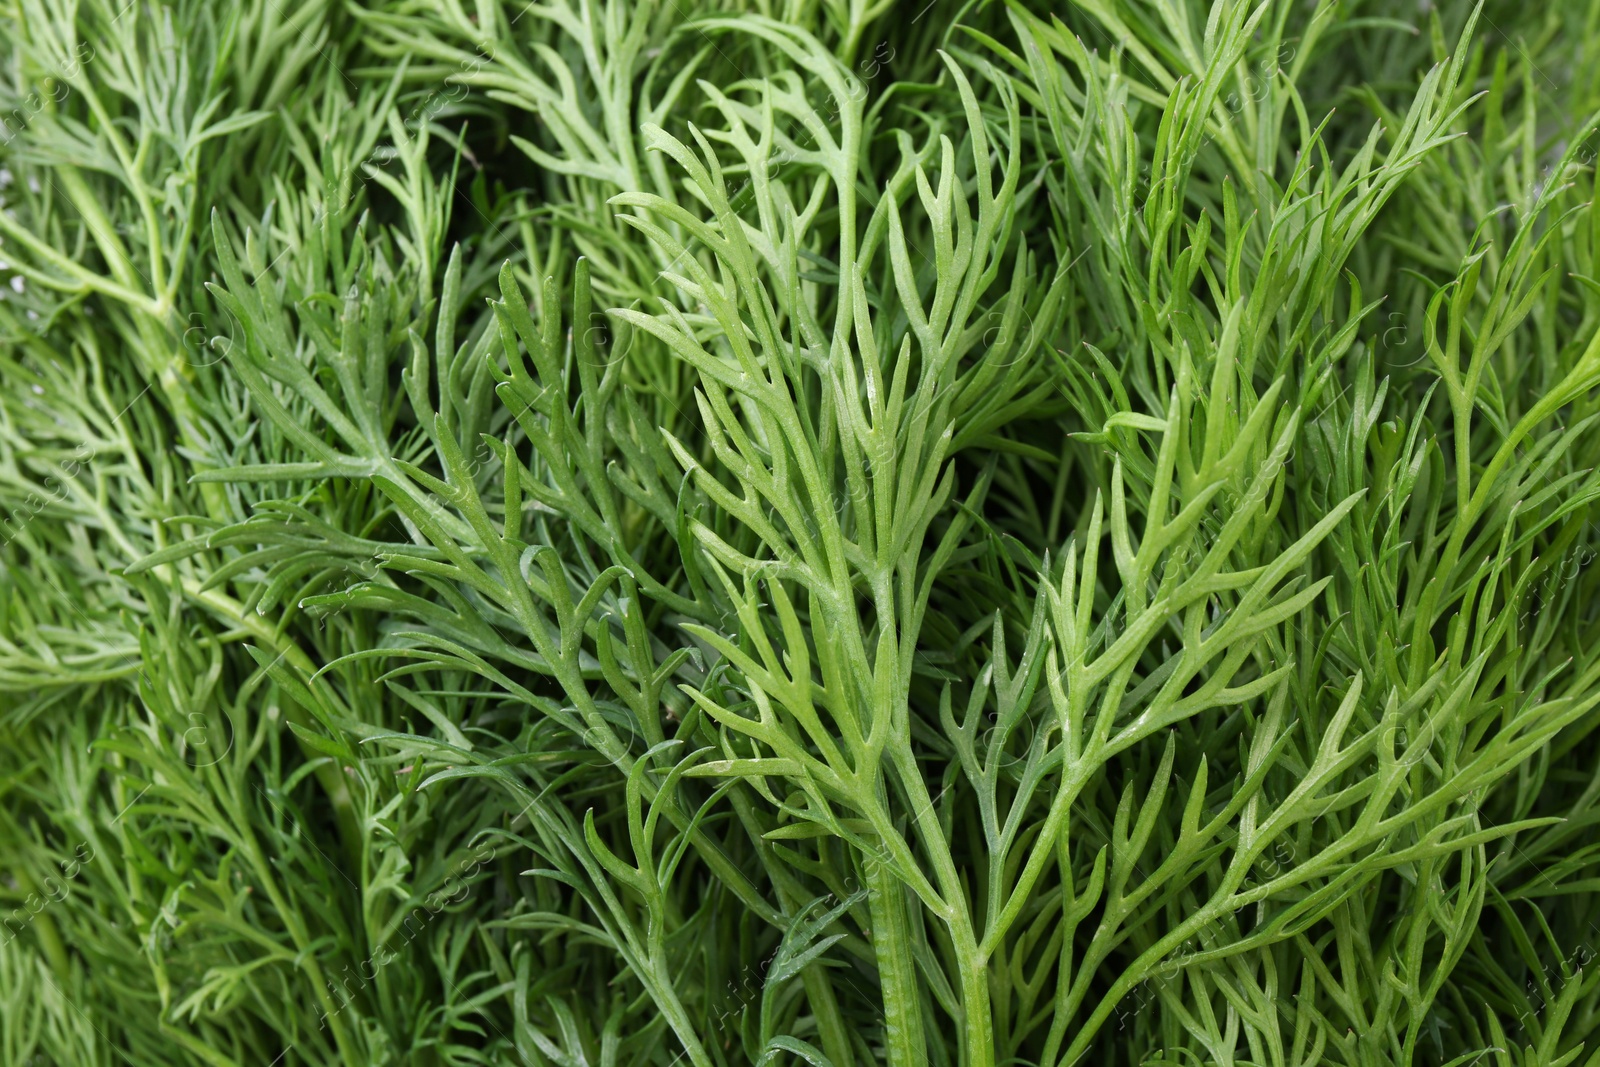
pixel 897 968
pixel 977 1021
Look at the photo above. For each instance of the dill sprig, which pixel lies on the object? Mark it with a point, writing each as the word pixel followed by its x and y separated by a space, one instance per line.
pixel 943 535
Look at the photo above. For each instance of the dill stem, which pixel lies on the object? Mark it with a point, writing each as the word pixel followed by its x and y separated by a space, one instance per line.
pixel 904 1040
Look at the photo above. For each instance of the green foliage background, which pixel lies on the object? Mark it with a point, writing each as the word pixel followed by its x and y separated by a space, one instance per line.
pixel 610 534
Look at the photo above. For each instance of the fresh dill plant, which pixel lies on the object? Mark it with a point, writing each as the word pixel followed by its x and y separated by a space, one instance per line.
pixel 593 533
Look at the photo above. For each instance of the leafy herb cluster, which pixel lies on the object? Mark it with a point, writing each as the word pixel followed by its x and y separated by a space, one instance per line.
pixel 595 532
